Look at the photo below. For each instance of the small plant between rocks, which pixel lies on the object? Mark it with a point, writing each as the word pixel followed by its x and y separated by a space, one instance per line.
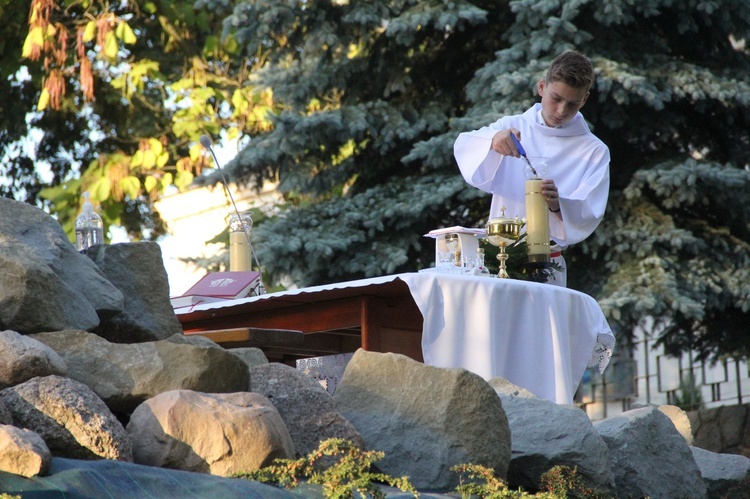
pixel 558 483
pixel 349 475
pixel 343 471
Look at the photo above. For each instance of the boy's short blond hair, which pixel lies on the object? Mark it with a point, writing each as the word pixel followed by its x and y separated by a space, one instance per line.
pixel 573 69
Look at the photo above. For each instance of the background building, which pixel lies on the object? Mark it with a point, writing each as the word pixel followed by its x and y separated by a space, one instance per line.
pixel 195 217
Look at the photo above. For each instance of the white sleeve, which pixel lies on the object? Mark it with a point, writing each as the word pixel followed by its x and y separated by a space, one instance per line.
pixel 476 160
pixel 583 209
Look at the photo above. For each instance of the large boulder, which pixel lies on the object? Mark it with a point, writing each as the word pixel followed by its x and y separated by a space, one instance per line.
pixel 725 475
pixel 126 375
pixel 545 435
pixel 250 355
pixel 425 419
pixel 22 452
pixel 722 429
pixel 648 457
pixel 5 416
pixel 304 405
pixel 137 269
pixel 45 284
pixel 71 419
pixel 23 358
pixel 680 420
pixel 221 434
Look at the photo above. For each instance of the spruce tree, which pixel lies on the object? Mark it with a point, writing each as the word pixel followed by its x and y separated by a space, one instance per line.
pixel 374 94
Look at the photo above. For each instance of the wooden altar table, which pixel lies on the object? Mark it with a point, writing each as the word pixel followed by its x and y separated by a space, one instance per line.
pixel 538 336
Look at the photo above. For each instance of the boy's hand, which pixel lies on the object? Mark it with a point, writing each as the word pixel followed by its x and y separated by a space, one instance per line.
pixel 503 144
pixel 549 191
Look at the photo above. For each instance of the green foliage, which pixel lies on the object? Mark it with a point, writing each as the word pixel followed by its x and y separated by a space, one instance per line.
pixel 557 483
pixel 678 250
pixel 343 471
pixel 122 93
pixel 516 264
pixel 562 481
pixel 349 476
pixel 480 481
pixel 671 100
pixel 353 108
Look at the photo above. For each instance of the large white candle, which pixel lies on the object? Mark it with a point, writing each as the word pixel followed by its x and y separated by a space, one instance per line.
pixel 537 222
pixel 239 252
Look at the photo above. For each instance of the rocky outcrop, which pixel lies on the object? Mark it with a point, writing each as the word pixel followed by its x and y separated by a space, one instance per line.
pixel 304 405
pixel 725 475
pixel 680 420
pixel 723 429
pixel 46 285
pixel 545 434
pixel 23 452
pixel 23 358
pixel 126 375
pixel 221 434
pixel 648 457
pixel 250 355
pixel 426 419
pixel 196 409
pixel 138 272
pixel 5 416
pixel 71 419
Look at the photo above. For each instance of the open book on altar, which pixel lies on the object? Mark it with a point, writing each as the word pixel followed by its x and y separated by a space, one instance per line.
pixel 217 286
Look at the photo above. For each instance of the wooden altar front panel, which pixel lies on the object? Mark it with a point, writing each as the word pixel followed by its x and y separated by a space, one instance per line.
pixel 379 317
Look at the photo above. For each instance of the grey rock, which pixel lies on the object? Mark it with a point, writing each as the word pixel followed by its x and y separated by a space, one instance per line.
pixel 46 285
pixel 137 270
pixel 71 419
pixel 722 429
pixel 23 358
pixel 22 452
pixel 545 435
pixel 126 375
pixel 723 473
pixel 116 479
pixel 193 339
pixel 221 434
pixel 504 387
pixel 425 419
pixel 305 406
pixel 648 457
pixel 5 416
pixel 731 420
pixel 250 355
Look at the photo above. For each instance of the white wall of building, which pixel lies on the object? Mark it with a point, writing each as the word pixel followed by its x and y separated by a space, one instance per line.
pixel 195 217
pixel 647 375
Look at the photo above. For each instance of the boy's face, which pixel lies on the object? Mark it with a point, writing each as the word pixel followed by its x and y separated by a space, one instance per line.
pixel 560 101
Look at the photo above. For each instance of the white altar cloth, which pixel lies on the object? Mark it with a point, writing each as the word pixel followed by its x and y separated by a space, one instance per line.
pixel 537 336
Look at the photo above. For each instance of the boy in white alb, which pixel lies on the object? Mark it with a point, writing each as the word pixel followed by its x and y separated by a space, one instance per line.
pixel 577 186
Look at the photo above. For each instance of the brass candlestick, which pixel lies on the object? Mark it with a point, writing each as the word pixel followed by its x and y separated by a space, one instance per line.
pixel 502 231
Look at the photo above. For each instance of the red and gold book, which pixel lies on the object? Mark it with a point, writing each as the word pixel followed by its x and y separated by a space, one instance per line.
pixel 216 286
